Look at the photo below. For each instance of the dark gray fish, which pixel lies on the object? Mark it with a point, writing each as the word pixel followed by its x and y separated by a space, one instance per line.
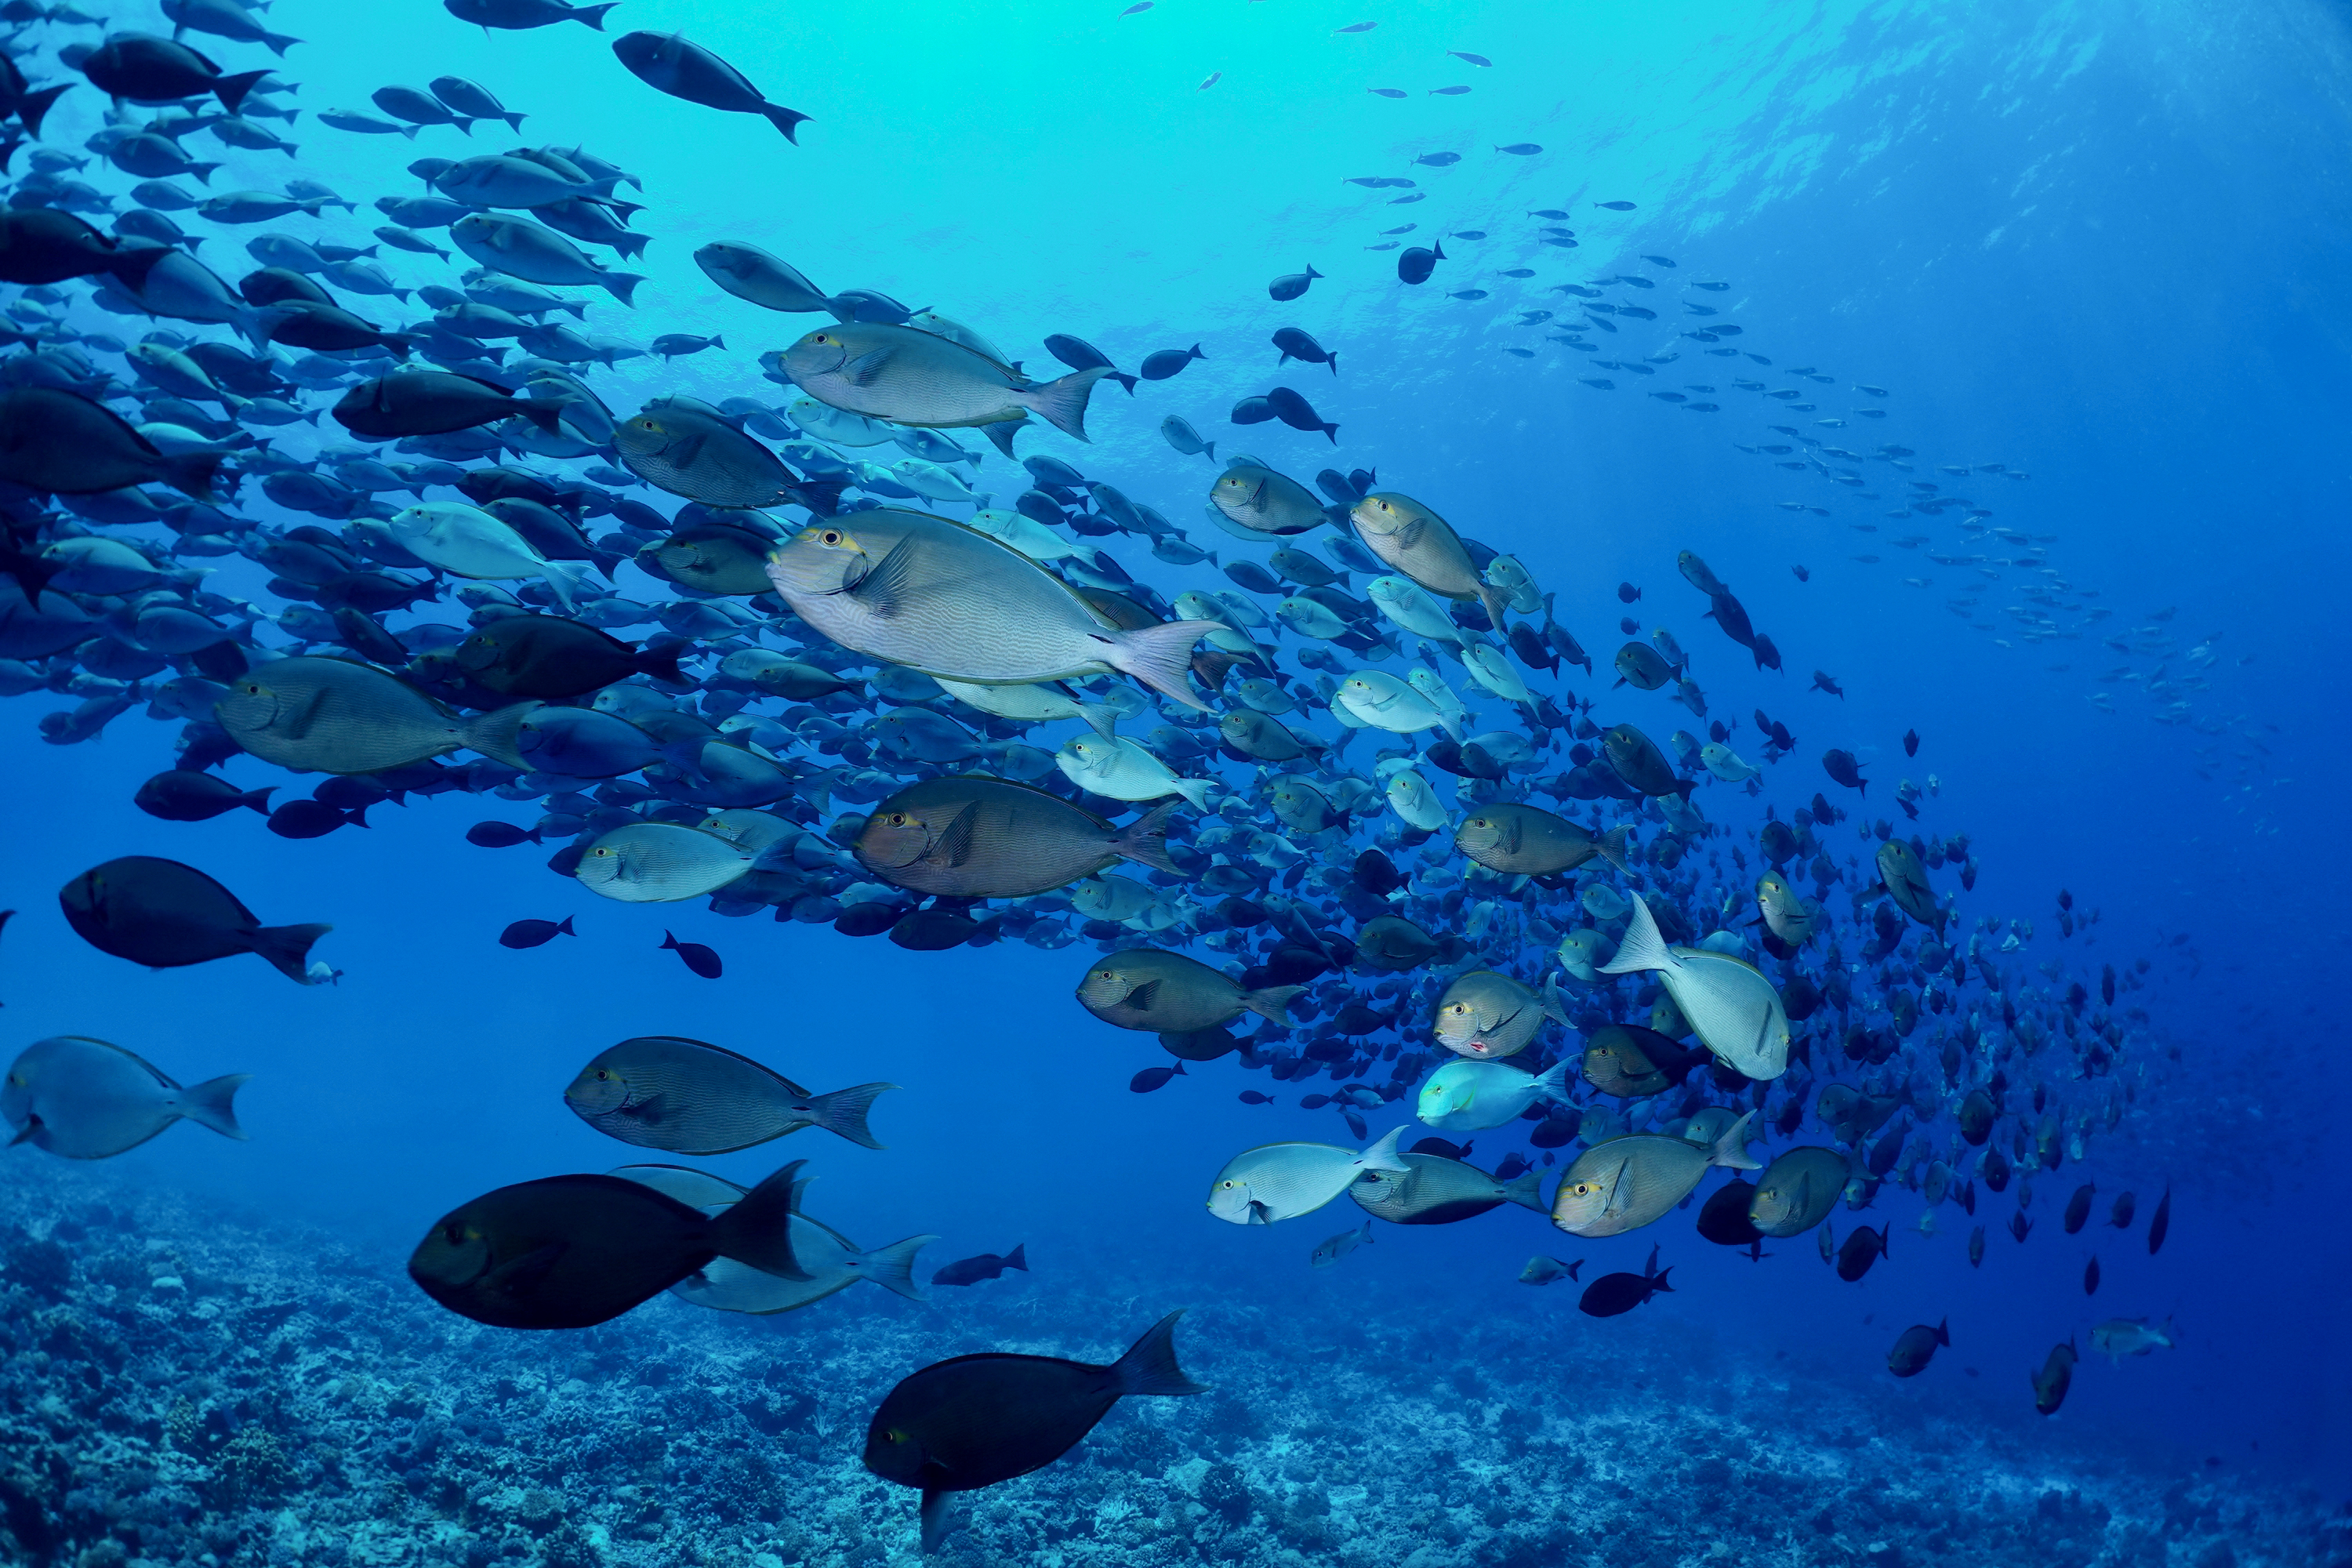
pixel 167 915
pixel 666 1091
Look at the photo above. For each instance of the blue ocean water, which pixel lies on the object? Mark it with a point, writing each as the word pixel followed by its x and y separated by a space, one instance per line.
pixel 2088 250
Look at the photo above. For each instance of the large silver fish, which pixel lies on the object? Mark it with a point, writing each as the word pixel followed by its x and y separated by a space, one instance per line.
pixel 984 838
pixel 1424 547
pixel 87 1099
pixel 1726 1001
pixel 337 716
pixel 934 596
pixel 1626 1183
pixel 913 377
pixel 1282 1180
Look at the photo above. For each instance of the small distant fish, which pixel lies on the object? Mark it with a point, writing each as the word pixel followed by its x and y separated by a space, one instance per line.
pixel 1616 206
pixel 1802 575
pixel 1355 27
pixel 695 956
pixel 2057 1375
pixel 1386 91
pixel 1474 59
pixel 1211 79
pixel 1614 1294
pixel 1330 1251
pixel 1447 92
pixel 1521 149
pixel 2121 1337
pixel 1150 1078
pixel 533 934
pixel 1141 6
pixel 1915 1347
pixel 982 1266
pixel 1542 1269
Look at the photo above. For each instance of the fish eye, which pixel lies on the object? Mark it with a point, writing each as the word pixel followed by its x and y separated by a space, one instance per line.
pixel 830 536
pixel 892 1434
pixel 599 850
pixel 454 1234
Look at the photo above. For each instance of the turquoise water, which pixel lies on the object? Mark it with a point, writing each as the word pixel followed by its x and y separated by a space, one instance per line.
pixel 2094 245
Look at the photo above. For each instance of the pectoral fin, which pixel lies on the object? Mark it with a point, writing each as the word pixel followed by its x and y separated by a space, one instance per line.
pixel 885 589
pixel 867 369
pixel 522 1276
pixel 954 846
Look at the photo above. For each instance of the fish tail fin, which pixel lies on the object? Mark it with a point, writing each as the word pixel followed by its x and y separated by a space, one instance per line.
pixel 513 120
pixel 1002 433
pixel 547 413
pixel 1552 1082
pixel 1272 1003
pixel 1731 1148
pixel 593 15
pixel 231 90
pixel 1124 379
pixel 1145 840
pixel 1526 1189
pixel 34 105
pixel 191 473
pixel 567 578
pixel 259 798
pixel 1384 1155
pixel 1061 402
pixel 1658 1281
pixel 564 925
pixel 1160 657
pixel 1944 1332
pixel 756 1231
pixel 893 1267
pixel 785 119
pixel 1494 602
pixel 1555 1006
pixel 659 661
pixel 844 1112
pixel 494 733
pixel 1101 718
pixel 1150 1365
pixel 1018 1258
pixel 210 1104
pixel 622 285
pixel 1644 948
pixel 287 949
pixel 279 43
pixel 1611 846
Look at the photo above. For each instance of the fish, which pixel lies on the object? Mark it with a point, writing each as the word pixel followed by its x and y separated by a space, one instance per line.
pixel 975 1420
pixel 167 915
pixel 1542 1269
pixel 1730 1005
pixel 1613 1295
pixel 1861 1249
pixel 1255 501
pixel 1291 285
pixel 667 63
pixel 1914 1347
pixel 1840 766
pixel 1274 1182
pixel 1527 840
pixel 1786 915
pixel 2160 1224
pixel 659 862
pixel 1797 1191
pixel 982 1266
pixel 1489 1016
pixel 1424 547
pixel 912 378
pixel 550 658
pixel 522 934
pixel 1167 992
pixel 467 542
pixel 701 959
pixel 1630 1061
pixel 1118 769
pixel 692 451
pixel 1623 1184
pixel 973 836
pixel 1330 1251
pixel 1153 1078
pixel 184 795
pixel 2057 1375
pixel 87 1099
pixel 1469 1095
pixel 1434 1190
pixel 753 275
pixel 831 1260
pixel 340 716
pixel 933 596
pixel 1905 880
pixel 666 1091
pixel 2120 1337
pixel 55 440
pixel 571 1252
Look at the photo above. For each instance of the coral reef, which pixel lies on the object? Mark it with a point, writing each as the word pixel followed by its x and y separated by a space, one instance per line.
pixel 181 1387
